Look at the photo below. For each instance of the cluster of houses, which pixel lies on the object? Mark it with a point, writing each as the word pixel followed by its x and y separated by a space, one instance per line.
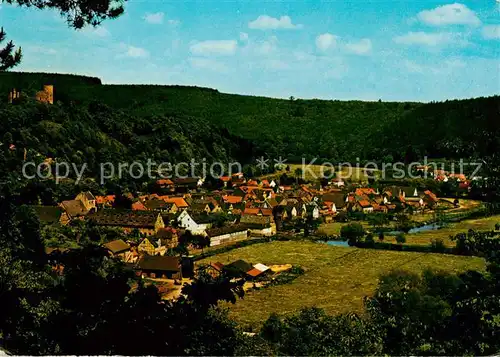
pixel 440 175
pixel 391 198
pixel 239 209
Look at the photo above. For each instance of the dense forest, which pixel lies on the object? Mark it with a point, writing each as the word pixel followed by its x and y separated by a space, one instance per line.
pixel 295 128
pixel 95 133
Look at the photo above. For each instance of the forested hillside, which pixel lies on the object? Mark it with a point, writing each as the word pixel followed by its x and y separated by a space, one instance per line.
pixel 456 129
pixel 294 128
pixel 96 133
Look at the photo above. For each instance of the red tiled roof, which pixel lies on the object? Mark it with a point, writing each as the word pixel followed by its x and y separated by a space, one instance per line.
pixel 365 191
pixel 254 272
pixel 463 185
pixel 217 266
pixel 232 199
pixel 431 195
pixel 138 206
pixel 251 211
pixel 178 201
pixel 460 177
pixel 105 199
pixel 164 182
pixel 364 203
pixel 148 197
pixel 266 211
pixel 377 207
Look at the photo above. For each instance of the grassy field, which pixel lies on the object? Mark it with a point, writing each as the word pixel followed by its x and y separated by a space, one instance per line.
pixel 451 229
pixel 314 172
pixel 465 206
pixel 424 238
pixel 336 278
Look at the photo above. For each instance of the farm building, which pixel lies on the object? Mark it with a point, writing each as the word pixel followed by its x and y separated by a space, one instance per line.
pixel 259 225
pixel 117 248
pixel 226 234
pixel 146 222
pixel 237 269
pixel 157 266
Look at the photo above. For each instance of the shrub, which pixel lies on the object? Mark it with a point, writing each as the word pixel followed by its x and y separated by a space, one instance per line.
pixel 400 238
pixel 369 240
pixel 437 245
pixel 352 233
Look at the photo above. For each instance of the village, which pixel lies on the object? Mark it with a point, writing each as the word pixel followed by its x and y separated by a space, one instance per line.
pixel 163 232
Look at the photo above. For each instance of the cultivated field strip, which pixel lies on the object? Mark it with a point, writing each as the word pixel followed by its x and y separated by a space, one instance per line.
pixel 336 278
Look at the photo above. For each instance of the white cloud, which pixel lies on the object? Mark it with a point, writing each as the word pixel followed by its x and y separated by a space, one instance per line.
pixel 451 14
pixel 95 31
pixel 362 47
pixel 243 36
pixel 326 41
pixel 207 63
pixel 491 32
pixel 211 47
pixel 136 52
pixel 445 67
pixel 429 39
pixel 265 22
pixel 155 18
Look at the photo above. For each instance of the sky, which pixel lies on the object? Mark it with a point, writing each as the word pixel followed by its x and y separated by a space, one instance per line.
pixel 393 50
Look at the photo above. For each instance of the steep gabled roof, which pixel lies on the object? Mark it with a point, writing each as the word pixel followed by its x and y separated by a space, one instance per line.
pixel 124 218
pixel 74 208
pixel 160 263
pixel 239 266
pixel 48 214
pixel 251 211
pixel 336 197
pixel 138 206
pixel 89 196
pixel 215 232
pixel 364 203
pixel 232 199
pixel 255 221
pixel 178 201
pixel 156 204
pixel 117 246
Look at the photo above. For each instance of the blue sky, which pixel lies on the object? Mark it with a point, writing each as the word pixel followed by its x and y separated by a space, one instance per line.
pixel 393 50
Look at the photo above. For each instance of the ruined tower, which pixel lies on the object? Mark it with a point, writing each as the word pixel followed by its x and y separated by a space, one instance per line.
pixel 13 95
pixel 46 95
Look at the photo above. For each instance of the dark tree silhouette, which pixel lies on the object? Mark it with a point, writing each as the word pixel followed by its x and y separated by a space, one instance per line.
pixel 78 13
pixel 9 57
